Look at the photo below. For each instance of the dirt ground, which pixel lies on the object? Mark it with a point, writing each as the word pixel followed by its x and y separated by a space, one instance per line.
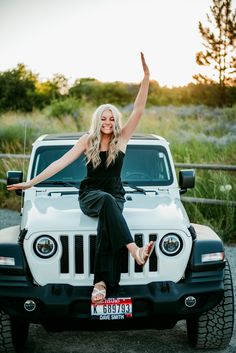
pixel 145 341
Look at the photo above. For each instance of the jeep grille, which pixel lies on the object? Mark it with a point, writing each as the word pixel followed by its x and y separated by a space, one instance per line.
pixel 83 264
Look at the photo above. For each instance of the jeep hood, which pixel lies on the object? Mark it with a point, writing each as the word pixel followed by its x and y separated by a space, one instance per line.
pixel 62 213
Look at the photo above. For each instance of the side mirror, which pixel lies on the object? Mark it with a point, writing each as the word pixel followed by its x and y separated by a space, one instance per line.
pixel 15 177
pixel 186 180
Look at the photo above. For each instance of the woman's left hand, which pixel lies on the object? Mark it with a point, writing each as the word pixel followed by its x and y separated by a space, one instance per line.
pixel 145 67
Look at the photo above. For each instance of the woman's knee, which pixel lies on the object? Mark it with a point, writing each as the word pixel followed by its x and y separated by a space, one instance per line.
pixel 92 204
pixel 108 199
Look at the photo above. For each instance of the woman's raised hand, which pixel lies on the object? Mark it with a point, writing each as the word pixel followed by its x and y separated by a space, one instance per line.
pixel 19 186
pixel 145 67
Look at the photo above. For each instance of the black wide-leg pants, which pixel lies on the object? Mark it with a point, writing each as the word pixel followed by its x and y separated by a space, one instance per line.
pixel 112 233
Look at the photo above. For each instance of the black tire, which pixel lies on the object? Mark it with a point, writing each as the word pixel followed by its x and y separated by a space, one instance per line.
pixel 214 328
pixel 13 333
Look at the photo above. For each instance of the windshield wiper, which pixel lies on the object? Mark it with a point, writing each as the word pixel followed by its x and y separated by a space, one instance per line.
pixel 134 187
pixel 59 183
pixel 137 188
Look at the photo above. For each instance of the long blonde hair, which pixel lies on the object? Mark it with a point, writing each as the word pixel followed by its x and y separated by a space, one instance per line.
pixel 94 140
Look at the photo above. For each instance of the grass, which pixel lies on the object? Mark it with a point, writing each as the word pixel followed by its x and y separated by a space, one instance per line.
pixel 196 134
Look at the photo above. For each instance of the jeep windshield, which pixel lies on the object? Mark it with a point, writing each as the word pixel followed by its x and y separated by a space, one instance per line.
pixel 143 166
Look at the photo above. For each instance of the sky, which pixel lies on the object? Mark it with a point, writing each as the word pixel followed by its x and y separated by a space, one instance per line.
pixel 103 38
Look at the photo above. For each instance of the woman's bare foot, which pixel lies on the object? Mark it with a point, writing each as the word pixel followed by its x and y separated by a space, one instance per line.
pixel 141 255
pixel 98 293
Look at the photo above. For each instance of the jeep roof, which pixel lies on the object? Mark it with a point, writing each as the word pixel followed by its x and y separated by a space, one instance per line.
pixel 76 135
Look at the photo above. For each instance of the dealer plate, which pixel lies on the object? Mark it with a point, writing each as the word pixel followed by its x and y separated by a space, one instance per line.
pixel 112 309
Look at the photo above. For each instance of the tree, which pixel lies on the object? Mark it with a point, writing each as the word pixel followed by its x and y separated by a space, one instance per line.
pixel 50 90
pixel 60 82
pixel 17 89
pixel 219 40
pixel 98 92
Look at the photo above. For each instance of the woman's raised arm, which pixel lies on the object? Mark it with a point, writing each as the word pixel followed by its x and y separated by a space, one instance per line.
pixel 139 104
pixel 56 166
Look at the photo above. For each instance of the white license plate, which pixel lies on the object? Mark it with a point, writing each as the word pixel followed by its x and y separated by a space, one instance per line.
pixel 112 309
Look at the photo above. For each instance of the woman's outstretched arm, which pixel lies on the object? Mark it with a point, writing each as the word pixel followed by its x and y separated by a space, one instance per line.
pixel 54 167
pixel 139 104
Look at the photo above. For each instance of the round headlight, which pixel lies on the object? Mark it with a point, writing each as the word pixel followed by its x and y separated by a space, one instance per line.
pixel 45 246
pixel 171 244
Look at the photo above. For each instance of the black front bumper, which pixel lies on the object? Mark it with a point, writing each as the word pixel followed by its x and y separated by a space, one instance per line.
pixel 62 302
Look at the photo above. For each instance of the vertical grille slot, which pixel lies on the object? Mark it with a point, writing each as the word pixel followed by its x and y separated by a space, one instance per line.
pixel 124 260
pixel 153 257
pixel 64 256
pixel 138 238
pixel 92 245
pixel 79 254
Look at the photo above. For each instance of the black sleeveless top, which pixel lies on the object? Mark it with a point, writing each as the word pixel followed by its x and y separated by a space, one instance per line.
pixel 104 178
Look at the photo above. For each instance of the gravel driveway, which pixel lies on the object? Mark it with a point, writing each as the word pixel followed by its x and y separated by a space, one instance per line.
pixel 145 341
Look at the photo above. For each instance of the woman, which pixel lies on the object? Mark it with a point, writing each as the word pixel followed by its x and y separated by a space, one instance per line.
pixel 101 192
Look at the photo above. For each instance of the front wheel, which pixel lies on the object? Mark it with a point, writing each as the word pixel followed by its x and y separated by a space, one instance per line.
pixel 13 333
pixel 214 328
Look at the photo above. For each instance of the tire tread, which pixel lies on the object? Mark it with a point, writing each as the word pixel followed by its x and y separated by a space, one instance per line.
pixel 214 328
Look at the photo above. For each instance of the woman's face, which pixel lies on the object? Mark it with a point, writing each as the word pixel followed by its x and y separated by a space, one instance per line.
pixel 108 122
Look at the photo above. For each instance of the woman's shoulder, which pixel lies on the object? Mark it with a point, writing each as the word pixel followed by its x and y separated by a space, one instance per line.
pixel 85 137
pixel 83 141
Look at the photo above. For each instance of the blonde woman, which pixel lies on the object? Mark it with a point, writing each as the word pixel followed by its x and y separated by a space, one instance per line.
pixel 101 193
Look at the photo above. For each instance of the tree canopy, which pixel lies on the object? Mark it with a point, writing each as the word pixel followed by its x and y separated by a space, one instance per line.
pixel 219 41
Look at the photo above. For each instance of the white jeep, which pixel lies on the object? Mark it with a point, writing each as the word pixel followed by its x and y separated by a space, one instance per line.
pixel 46 263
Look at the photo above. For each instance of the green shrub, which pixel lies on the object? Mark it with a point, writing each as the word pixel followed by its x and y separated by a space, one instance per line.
pixel 63 107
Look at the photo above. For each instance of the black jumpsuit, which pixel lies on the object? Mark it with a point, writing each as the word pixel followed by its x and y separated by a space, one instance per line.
pixel 102 195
